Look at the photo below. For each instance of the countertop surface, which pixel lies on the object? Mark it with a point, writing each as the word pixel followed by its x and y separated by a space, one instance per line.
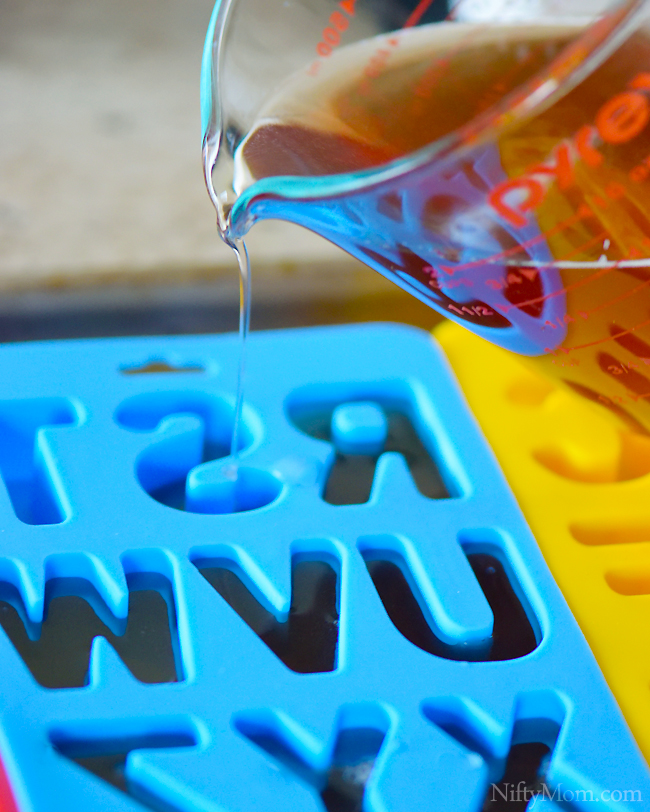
pixel 100 153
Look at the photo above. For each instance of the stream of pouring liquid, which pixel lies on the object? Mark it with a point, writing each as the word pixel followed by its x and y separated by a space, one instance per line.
pixel 240 251
pixel 243 262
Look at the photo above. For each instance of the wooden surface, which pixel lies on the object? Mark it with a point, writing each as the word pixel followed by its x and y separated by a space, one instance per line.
pixel 100 170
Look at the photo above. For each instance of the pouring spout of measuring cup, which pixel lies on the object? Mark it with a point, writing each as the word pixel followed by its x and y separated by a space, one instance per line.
pixel 492 159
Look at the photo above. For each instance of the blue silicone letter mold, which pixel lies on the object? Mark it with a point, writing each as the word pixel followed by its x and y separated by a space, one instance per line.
pixel 362 621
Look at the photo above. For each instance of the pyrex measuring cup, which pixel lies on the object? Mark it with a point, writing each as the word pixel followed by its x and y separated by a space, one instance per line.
pixel 492 158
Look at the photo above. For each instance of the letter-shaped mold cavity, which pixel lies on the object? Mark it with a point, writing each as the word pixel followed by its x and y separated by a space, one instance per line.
pixel 513 781
pixel 103 748
pixel 307 639
pixel 25 465
pixel 57 651
pixel 359 737
pixel 362 423
pixel 161 366
pixel 191 432
pixel 515 633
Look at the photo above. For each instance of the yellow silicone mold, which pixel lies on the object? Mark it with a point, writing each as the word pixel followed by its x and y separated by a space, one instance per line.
pixel 584 487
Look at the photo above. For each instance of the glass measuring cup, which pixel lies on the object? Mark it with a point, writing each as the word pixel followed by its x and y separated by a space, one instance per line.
pixel 493 159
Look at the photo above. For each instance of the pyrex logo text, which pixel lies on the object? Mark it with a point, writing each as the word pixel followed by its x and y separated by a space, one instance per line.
pixel 618 121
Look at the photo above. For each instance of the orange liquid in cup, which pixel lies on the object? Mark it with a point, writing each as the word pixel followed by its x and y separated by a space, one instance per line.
pixel 574 174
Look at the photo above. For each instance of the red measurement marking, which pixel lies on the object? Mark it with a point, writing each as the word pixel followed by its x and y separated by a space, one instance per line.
pixel 572 362
pixel 597 275
pixel 331 34
pixel 474 310
pixel 599 238
pixel 348 6
pixel 611 338
pixel 418 12
pixel 496 91
pixel 479 263
pixel 559 322
pixel 438 67
pixel 617 399
pixel 621 368
pixel 619 298
pixel 376 65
